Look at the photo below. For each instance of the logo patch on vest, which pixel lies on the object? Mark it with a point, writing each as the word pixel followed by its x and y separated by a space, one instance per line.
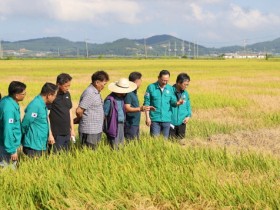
pixel 11 120
pixel 167 91
pixel 147 94
pixel 34 115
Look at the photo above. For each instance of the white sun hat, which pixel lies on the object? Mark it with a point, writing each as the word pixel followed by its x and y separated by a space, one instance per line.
pixel 122 86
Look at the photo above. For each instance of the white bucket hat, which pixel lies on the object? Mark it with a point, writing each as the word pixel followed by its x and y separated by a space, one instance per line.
pixel 122 86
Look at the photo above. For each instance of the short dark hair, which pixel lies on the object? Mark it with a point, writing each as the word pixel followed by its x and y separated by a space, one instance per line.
pixel 163 72
pixel 182 78
pixel 134 76
pixel 99 75
pixel 63 78
pixel 48 88
pixel 16 87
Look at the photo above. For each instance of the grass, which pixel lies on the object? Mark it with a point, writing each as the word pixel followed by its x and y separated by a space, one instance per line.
pixel 149 173
pixel 227 96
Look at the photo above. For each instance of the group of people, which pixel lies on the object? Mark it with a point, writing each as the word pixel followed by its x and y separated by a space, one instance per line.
pixel 48 123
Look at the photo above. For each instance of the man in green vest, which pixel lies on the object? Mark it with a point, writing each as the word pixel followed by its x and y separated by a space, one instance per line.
pixel 161 96
pixel 10 123
pixel 181 115
pixel 35 124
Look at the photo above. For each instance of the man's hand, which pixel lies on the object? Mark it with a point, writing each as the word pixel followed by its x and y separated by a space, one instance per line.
pixel 73 133
pixel 147 108
pixel 14 157
pixel 148 122
pixel 76 120
pixel 51 139
pixel 186 120
pixel 180 102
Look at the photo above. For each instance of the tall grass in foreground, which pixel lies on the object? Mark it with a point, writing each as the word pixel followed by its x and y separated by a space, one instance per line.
pixel 150 173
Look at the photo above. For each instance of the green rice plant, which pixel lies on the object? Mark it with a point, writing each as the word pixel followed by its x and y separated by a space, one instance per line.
pixel 227 96
pixel 214 100
pixel 165 174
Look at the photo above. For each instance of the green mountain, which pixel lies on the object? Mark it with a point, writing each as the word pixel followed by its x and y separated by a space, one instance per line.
pixel 160 45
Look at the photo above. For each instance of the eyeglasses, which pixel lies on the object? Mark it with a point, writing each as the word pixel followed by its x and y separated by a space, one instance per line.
pixel 23 94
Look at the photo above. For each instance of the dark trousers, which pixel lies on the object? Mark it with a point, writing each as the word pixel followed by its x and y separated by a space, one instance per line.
pixel 119 139
pixel 32 152
pixel 4 156
pixel 62 142
pixel 5 159
pixel 157 128
pixel 131 132
pixel 90 140
pixel 179 131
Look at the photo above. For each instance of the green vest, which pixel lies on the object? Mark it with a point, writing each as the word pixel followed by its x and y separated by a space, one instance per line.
pixel 10 125
pixel 161 100
pixel 35 125
pixel 179 113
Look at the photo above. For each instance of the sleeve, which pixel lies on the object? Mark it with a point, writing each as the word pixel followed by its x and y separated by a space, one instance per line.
pixel 107 107
pixel 189 107
pixel 147 97
pixel 70 100
pixel 31 113
pixel 8 126
pixel 86 100
pixel 173 99
pixel 127 99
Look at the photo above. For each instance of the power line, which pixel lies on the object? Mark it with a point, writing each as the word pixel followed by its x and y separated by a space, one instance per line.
pixel 1 50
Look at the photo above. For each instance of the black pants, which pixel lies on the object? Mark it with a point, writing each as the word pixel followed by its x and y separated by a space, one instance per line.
pixel 131 132
pixel 61 143
pixel 179 132
pixel 90 140
pixel 32 152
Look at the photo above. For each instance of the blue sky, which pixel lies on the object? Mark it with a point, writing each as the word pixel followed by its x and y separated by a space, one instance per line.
pixel 212 23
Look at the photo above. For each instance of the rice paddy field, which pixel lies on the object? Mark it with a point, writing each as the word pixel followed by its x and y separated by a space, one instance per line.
pixel 229 159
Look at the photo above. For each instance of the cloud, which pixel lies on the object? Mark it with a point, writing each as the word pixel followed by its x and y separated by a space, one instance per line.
pixel 200 14
pixel 251 18
pixel 95 11
pixel 26 8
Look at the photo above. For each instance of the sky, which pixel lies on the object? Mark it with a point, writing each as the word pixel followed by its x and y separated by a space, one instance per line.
pixel 211 23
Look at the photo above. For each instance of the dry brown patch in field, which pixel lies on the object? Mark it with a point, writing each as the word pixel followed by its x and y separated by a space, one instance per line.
pixel 267 103
pixel 221 116
pixel 261 141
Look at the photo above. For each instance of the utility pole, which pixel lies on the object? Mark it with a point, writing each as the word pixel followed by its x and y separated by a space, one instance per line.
pixel 244 42
pixel 189 50
pixel 165 48
pixel 145 48
pixel 183 48
pixel 175 49
pixel 86 48
pixel 78 53
pixel 194 49
pixel 1 51
pixel 169 49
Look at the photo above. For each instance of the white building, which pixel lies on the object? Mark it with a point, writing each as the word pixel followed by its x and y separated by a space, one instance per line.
pixel 244 56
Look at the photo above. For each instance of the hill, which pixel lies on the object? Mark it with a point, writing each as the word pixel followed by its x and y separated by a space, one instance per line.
pixel 160 45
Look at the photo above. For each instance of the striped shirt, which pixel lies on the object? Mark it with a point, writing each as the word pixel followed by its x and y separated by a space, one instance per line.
pixel 93 116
